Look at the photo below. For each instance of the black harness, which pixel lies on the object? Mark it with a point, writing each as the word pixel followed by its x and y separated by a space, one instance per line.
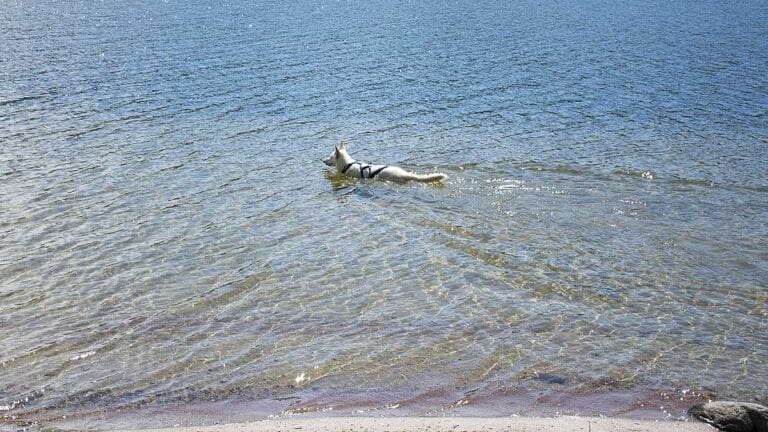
pixel 363 168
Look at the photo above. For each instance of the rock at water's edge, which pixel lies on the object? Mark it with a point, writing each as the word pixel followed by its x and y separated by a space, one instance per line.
pixel 733 416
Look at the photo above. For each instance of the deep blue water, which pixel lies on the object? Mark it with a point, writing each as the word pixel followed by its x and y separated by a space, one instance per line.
pixel 169 236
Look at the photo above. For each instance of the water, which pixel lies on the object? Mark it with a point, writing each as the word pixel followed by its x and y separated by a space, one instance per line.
pixel 172 247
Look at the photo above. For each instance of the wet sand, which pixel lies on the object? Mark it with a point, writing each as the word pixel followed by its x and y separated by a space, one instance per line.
pixel 450 424
pixel 434 411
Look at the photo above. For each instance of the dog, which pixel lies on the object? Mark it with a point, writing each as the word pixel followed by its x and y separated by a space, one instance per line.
pixel 347 166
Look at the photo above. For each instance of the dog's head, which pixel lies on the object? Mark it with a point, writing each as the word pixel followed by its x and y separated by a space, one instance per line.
pixel 336 155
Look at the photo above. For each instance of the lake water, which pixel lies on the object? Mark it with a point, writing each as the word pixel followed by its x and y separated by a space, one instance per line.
pixel 172 249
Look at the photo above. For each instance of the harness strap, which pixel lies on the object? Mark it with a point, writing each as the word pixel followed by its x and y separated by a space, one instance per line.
pixel 362 171
pixel 346 167
pixel 371 174
pixel 375 173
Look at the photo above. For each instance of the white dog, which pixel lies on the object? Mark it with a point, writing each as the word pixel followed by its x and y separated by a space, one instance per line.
pixel 346 165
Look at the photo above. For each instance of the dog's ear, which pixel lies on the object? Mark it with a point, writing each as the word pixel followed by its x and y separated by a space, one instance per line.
pixel 340 147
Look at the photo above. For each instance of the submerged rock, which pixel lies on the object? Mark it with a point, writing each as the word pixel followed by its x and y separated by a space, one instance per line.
pixel 551 378
pixel 733 416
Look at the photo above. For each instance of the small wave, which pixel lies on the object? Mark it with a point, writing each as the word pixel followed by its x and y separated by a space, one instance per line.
pixel 172 167
pixel 82 356
pixel 564 169
pixel 463 167
pixel 648 175
pixel 692 182
pixel 708 183
pixel 18 100
pixel 705 183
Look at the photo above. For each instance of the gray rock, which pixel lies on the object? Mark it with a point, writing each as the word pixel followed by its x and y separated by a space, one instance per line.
pixel 733 416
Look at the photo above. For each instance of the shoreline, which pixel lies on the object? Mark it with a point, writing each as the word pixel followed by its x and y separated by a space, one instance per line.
pixel 531 410
pixel 447 424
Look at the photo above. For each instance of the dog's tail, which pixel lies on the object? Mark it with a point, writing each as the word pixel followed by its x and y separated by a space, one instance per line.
pixel 428 178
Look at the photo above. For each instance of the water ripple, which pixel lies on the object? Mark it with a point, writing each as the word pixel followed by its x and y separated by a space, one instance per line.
pixel 168 233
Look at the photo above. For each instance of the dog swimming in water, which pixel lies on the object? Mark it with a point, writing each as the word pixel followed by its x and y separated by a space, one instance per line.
pixel 348 166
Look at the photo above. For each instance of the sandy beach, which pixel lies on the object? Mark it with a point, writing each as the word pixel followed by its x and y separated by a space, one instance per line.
pixel 449 424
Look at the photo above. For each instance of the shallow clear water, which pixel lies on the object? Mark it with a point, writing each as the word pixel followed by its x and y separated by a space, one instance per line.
pixel 168 234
